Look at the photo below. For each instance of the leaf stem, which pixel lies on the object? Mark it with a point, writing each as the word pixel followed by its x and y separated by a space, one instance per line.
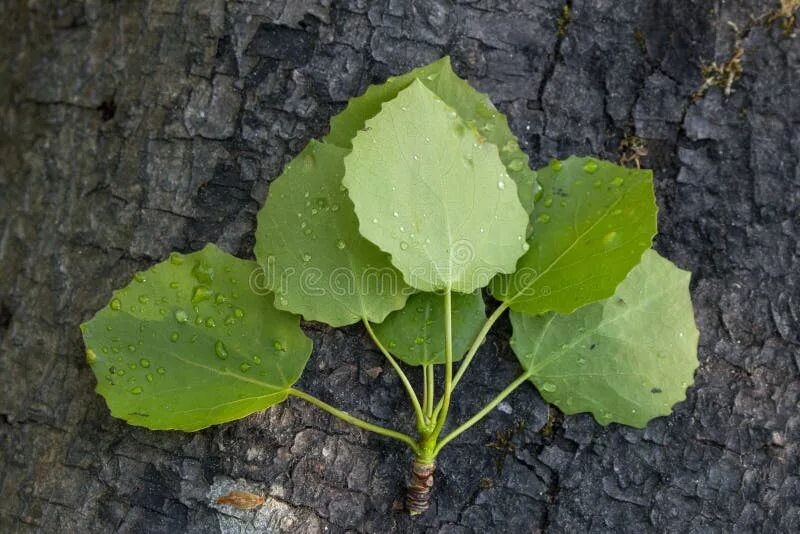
pixel 344 416
pixel 441 416
pixel 429 390
pixel 483 412
pixel 403 378
pixel 462 368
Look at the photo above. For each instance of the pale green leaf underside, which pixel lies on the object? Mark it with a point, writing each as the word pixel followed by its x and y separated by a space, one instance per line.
pixel 431 194
pixel 591 226
pixel 314 259
pixel 415 334
pixel 187 345
pixel 627 359
pixel 472 106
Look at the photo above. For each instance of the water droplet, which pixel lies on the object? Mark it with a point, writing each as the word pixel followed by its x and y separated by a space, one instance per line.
pixel 149 377
pixel 181 316
pixel 590 167
pixel 174 285
pixel 174 337
pixel 597 183
pixel 131 348
pixel 548 202
pixel 161 371
pixel 416 158
pixel 115 304
pixel 395 214
pixel 137 390
pixel 555 165
pixel 244 367
pixel 334 207
pixel 284 301
pixel 501 185
pixel 618 181
pixel 210 322
pixel 547 386
pixel 91 357
pixel 419 340
pixel 144 362
pixel 203 273
pixel 609 238
pixel 238 313
pixel 403 245
pixel 306 257
pixel 307 231
pixel 220 350
pixel 374 220
pixel 176 258
pixel 139 277
pixel 201 293
pixel 525 246
pixel 257 360
pixel 516 165
pixel 278 346
pixel 543 218
pixel 143 299
pixel 581 361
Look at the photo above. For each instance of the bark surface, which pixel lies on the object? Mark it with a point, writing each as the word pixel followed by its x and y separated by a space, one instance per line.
pixel 130 129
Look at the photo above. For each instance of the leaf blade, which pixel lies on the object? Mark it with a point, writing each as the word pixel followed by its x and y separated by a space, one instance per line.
pixel 315 260
pixel 415 334
pixel 471 105
pixel 593 223
pixel 427 185
pixel 609 360
pixel 184 346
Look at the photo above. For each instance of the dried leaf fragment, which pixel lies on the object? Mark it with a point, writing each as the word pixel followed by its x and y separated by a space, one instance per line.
pixel 241 500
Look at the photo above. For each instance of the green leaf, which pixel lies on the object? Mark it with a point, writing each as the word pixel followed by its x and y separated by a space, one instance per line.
pixel 314 259
pixel 187 344
pixel 431 194
pixel 415 334
pixel 472 106
pixel 626 359
pixel 590 228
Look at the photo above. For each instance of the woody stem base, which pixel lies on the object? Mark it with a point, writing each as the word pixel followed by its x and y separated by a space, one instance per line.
pixel 420 486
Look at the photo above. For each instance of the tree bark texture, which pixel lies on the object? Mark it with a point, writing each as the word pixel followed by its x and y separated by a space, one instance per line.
pixel 130 129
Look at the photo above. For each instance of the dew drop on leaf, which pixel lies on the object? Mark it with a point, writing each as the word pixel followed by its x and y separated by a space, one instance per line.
pixel 220 350
pixel 403 245
pixel 244 367
pixel 590 167
pixel 501 185
pixel 201 293
pixel 543 218
pixel 306 257
pixel 144 299
pixel 555 164
pixel 137 390
pixel 340 245
pixel 115 304
pixel 91 357
pixel 238 313
pixel 144 362
pixel 547 386
pixel 139 277
pixel 618 181
pixel 257 360
pixel 548 202
pixel 609 238
pixel 210 322
pixel 516 165
pixel 203 273
pixel 278 346
pixel 161 371
pixel 149 377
